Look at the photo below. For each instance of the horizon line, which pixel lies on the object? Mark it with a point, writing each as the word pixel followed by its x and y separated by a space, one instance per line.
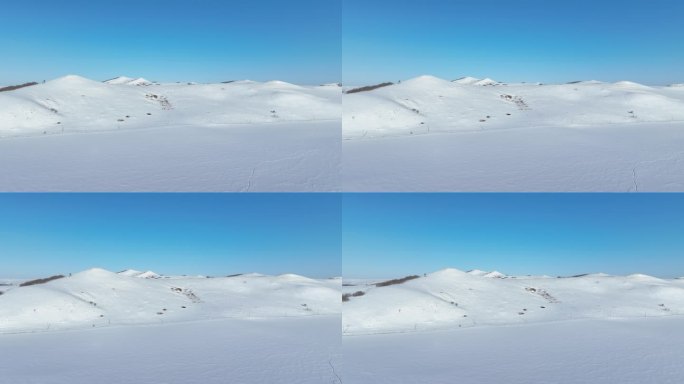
pixel 526 275
pixel 515 82
pixel 164 274
pixel 165 82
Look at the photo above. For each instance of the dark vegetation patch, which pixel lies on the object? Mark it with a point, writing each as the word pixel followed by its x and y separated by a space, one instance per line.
pixel 235 275
pixel 566 277
pixel 396 281
pixel 347 296
pixel 162 100
pixel 187 293
pixel 15 87
pixel 348 285
pixel 40 281
pixel 369 87
pixel 545 295
pixel 517 100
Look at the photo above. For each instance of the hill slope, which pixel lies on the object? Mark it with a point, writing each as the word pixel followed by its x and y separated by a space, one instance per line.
pixel 76 104
pixel 429 104
pixel 451 299
pixel 97 297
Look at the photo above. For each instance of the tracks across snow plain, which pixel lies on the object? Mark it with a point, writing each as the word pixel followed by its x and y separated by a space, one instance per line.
pixel 270 157
pixel 609 158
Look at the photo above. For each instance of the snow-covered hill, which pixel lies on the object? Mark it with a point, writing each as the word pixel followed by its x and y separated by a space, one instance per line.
pixel 428 103
pixel 96 298
pixel 128 81
pixel 75 104
pixel 450 298
pixel 130 135
pixel 431 134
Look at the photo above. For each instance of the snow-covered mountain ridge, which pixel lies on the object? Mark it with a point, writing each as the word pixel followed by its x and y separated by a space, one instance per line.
pixel 96 298
pixel 428 104
pixel 73 104
pixel 451 298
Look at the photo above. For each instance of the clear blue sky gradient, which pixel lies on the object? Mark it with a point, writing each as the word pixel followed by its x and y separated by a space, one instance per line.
pixel 210 234
pixel 390 235
pixel 521 40
pixel 171 40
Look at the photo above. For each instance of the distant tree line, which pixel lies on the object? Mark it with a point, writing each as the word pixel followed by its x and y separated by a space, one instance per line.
pixel 369 87
pixel 14 87
pixel 41 281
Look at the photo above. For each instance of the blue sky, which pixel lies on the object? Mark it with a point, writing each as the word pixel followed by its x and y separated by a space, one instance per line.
pixel 521 40
pixel 171 40
pixel 390 235
pixel 211 234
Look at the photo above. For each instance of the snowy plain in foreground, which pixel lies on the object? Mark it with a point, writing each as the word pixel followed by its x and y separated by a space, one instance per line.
pixel 75 134
pixel 430 134
pixel 287 350
pixel 633 351
pixel 134 327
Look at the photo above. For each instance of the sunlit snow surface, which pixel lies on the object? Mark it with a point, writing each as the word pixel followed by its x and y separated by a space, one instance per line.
pixel 430 134
pixel 287 350
pixel 75 134
pixel 140 327
pixel 635 351
pixel 451 298
pixel 97 298
pixel 473 327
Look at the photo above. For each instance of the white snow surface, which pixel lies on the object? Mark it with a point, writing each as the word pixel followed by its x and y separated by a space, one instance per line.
pixel 246 351
pixel 98 298
pixel 467 80
pixel 76 134
pixel 82 105
pixel 451 298
pixel 599 351
pixel 148 275
pixel 446 106
pixel 130 272
pixel 431 134
pixel 274 157
pixel 128 81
